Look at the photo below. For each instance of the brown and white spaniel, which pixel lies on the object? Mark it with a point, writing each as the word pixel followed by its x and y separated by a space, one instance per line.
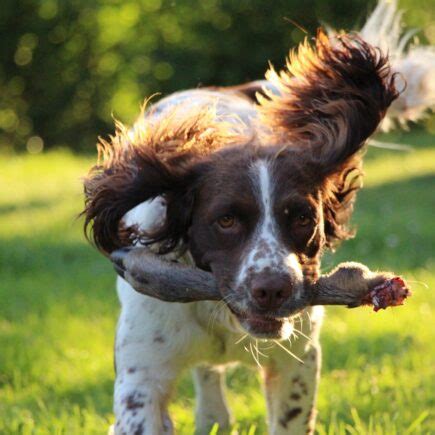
pixel 251 183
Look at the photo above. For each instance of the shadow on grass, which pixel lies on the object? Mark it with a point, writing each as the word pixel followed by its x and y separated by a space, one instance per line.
pixel 39 272
pixel 95 398
pixel 36 204
pixel 100 391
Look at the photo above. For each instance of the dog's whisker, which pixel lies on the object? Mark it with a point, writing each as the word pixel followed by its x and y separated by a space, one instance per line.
pixel 257 348
pixel 214 314
pixel 255 357
pixel 221 306
pixel 219 310
pixel 300 320
pixel 288 351
pixel 246 348
pixel 241 339
pixel 297 331
pixel 309 319
pixel 267 348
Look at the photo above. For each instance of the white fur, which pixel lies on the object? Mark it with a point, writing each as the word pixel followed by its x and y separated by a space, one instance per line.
pixel 415 64
pixel 266 250
pixel 147 216
pixel 156 340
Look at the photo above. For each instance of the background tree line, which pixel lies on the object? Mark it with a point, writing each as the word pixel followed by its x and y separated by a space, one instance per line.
pixel 69 65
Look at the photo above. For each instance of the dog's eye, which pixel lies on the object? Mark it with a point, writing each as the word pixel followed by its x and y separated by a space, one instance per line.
pixel 226 221
pixel 303 220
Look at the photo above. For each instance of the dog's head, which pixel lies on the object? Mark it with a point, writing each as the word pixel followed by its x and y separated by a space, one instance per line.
pixel 256 213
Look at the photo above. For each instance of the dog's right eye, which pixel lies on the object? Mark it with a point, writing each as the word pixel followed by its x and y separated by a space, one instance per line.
pixel 226 221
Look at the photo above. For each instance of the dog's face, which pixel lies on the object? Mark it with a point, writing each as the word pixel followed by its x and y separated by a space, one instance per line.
pixel 257 224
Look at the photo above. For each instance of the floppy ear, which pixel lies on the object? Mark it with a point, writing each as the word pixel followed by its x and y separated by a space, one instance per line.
pixel 330 99
pixel 160 156
pixel 127 177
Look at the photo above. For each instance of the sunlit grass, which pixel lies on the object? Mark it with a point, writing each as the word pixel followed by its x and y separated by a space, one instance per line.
pixel 58 309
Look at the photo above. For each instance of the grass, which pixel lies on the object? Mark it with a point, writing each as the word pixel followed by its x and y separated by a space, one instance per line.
pixel 58 309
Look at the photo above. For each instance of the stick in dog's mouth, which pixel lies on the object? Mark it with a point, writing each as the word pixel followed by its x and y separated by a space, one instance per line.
pixel 349 284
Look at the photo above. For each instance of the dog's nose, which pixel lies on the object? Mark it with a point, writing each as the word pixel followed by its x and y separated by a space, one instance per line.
pixel 270 292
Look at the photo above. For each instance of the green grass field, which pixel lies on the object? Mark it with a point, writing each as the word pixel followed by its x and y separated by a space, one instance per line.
pixel 58 308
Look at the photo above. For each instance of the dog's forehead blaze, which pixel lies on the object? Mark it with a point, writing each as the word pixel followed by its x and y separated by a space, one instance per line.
pixel 236 179
pixel 266 250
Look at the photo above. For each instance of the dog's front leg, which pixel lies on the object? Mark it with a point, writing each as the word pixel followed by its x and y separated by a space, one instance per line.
pixel 291 385
pixel 140 402
pixel 153 344
pixel 211 405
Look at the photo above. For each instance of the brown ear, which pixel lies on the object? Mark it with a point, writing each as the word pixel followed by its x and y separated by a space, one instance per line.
pixel 331 98
pixel 127 178
pixel 159 156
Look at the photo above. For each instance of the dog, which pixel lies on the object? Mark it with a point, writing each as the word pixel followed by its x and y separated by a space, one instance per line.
pixel 252 183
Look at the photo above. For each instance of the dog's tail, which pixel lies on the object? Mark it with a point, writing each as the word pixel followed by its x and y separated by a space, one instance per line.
pixel 414 63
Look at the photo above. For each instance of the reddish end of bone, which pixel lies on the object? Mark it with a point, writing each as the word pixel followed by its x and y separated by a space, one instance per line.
pixel 391 293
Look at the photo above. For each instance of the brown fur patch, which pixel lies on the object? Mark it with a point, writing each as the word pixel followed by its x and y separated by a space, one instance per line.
pixel 132 402
pixel 291 414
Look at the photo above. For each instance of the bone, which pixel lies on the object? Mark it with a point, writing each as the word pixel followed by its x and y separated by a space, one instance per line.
pixel 349 284
pixel 169 281
pixel 353 284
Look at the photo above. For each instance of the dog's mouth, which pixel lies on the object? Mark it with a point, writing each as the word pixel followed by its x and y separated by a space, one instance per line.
pixel 264 325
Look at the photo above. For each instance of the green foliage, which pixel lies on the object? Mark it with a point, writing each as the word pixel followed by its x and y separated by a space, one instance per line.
pixel 58 309
pixel 68 65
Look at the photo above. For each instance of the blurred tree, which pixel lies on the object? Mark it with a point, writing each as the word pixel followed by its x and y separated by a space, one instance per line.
pixel 68 65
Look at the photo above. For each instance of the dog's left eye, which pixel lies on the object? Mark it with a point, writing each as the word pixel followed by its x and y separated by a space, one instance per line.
pixel 303 220
pixel 226 221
